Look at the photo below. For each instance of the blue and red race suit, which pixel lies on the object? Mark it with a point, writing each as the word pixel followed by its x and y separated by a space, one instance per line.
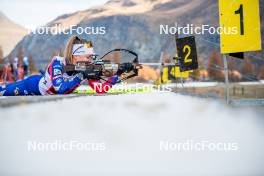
pixel 54 81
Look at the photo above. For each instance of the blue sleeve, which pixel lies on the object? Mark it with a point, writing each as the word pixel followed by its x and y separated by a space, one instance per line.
pixel 113 80
pixel 61 85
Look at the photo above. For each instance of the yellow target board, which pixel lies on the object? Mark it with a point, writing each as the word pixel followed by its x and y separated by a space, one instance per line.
pixel 240 24
pixel 174 72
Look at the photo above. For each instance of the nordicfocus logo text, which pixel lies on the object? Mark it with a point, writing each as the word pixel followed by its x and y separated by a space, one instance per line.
pixel 65 146
pixel 197 146
pixel 73 29
pixel 191 29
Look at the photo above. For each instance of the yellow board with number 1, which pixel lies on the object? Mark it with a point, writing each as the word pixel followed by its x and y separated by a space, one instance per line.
pixel 240 21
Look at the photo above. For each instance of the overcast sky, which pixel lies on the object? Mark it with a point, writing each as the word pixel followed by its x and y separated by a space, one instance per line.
pixel 38 12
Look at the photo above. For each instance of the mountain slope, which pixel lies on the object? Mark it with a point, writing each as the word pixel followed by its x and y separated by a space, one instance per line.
pixel 133 24
pixel 10 34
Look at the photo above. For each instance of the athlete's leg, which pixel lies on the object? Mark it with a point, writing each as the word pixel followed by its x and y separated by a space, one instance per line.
pixel 14 89
pixel 32 84
pixel 27 86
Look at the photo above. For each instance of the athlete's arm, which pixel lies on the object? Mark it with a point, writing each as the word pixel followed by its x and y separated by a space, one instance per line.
pixel 61 85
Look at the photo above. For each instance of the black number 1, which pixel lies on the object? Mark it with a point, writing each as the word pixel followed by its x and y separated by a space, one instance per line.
pixel 241 13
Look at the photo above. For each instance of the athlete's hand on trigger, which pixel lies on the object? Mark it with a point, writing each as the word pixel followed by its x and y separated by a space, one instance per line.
pixel 108 73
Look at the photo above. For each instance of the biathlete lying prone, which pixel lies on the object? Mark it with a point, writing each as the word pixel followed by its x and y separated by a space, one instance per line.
pixel 57 81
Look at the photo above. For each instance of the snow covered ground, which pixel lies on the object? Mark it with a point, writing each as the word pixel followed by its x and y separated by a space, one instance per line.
pixel 132 134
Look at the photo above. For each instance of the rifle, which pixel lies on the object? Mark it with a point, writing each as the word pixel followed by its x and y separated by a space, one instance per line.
pixel 100 68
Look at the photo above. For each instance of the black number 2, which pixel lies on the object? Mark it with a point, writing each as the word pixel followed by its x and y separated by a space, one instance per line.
pixel 241 13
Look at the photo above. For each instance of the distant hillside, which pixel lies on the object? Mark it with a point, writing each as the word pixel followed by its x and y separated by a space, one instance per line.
pixel 10 34
pixel 133 24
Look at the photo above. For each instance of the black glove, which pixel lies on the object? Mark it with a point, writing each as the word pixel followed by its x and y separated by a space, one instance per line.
pixel 91 74
pixel 125 67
